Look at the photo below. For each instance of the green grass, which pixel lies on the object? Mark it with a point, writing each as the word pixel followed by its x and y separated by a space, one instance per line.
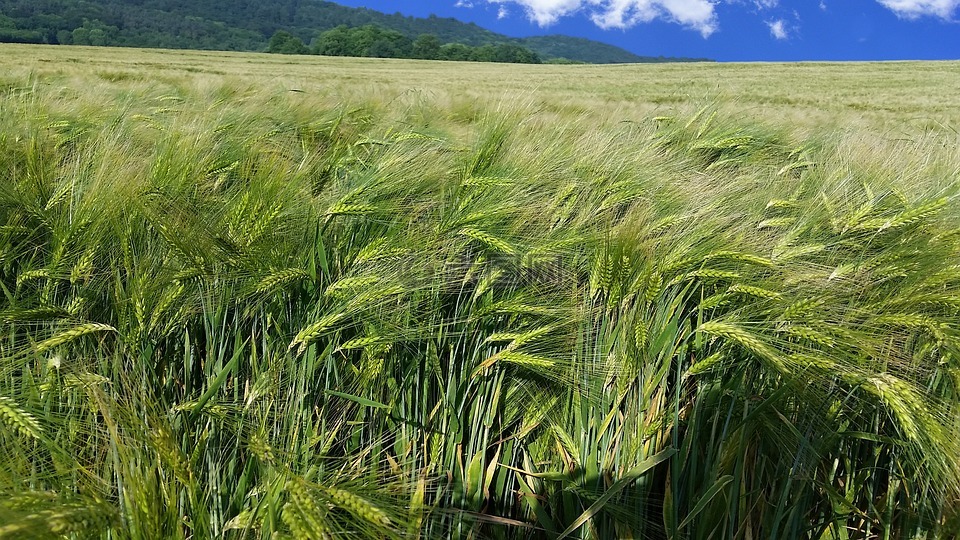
pixel 435 300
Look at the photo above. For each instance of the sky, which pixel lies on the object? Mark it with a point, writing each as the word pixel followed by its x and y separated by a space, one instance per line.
pixel 723 30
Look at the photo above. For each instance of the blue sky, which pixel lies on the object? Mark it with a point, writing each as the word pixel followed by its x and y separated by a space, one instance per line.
pixel 725 30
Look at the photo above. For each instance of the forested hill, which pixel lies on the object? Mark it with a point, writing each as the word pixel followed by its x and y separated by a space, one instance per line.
pixel 247 25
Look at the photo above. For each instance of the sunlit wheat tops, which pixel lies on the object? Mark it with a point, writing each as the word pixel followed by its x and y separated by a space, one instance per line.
pixel 232 311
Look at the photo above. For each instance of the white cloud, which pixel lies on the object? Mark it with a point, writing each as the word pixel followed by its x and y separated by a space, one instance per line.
pixel 463 4
pixel 778 29
pixel 546 12
pixel 911 9
pixel 823 5
pixel 758 5
pixel 695 14
pixel 503 13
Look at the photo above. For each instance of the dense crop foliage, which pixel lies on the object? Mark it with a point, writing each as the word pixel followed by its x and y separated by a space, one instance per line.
pixel 234 312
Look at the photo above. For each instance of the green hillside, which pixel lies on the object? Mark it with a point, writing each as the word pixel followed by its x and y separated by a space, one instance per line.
pixel 594 52
pixel 247 25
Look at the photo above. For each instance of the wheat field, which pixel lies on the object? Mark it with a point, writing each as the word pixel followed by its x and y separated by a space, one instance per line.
pixel 252 296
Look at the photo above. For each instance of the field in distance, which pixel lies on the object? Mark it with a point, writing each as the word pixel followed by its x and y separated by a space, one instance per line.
pixel 264 296
pixel 891 98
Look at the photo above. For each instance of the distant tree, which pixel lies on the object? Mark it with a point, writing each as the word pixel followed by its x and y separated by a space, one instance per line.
pixel 367 40
pixel 508 52
pixel 382 48
pixel 98 37
pixel 13 35
pixel 426 47
pixel 284 42
pixel 335 42
pixel 484 53
pixel 362 38
pixel 81 36
pixel 94 32
pixel 455 51
pixel 9 33
pixel 392 42
pixel 526 56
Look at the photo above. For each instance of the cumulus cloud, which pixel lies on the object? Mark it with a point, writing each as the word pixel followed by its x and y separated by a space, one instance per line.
pixel 695 14
pixel 699 15
pixel 911 9
pixel 778 29
pixel 546 12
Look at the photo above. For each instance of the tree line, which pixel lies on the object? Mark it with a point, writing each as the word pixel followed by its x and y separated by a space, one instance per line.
pixel 378 42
